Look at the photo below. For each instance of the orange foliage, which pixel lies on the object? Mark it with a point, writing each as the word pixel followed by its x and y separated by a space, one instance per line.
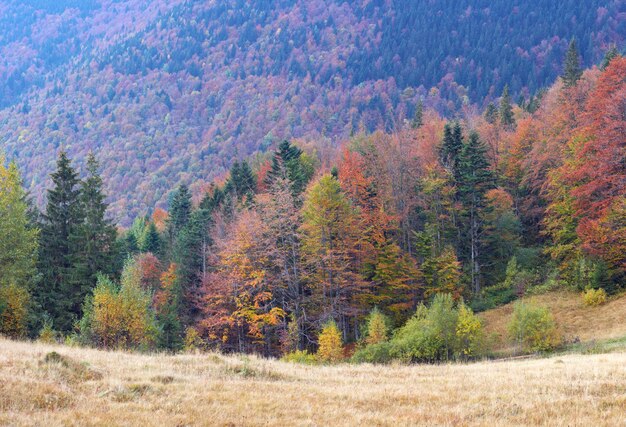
pixel 159 217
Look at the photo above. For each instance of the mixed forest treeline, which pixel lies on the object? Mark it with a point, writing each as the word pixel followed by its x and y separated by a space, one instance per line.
pixel 481 210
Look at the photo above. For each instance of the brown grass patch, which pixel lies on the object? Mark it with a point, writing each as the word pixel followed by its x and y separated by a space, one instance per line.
pixel 164 390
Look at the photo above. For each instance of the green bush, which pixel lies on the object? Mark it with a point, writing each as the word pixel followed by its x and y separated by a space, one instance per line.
pixel 445 331
pixel 374 353
pixel 300 356
pixel 533 328
pixel 594 297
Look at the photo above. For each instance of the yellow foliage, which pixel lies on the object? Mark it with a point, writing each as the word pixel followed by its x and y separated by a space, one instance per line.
pixel 14 302
pixel 594 297
pixel 376 328
pixel 469 331
pixel 330 345
pixel 121 318
pixel 193 341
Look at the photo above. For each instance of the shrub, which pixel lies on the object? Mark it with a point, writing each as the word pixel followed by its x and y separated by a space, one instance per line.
pixel 14 301
pixel 379 353
pixel 118 318
pixel 330 345
pixel 300 356
pixel 47 334
pixel 594 297
pixel 533 327
pixel 469 333
pixel 447 330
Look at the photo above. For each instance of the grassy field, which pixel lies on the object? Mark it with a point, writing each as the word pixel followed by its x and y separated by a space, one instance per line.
pixel 55 385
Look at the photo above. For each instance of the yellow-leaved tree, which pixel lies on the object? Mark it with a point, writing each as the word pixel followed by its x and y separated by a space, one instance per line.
pixel 330 344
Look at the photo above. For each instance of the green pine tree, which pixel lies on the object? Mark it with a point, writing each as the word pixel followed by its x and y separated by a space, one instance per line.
pixel 451 148
pixel 476 180
pixel 152 240
pixel 610 55
pixel 491 114
pixel 242 180
pixel 180 211
pixel 93 241
pixel 287 163
pixel 572 71
pixel 62 219
pixel 190 255
pixel 506 110
pixel 418 118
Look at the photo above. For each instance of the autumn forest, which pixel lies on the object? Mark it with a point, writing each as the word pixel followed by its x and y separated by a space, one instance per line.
pixel 384 247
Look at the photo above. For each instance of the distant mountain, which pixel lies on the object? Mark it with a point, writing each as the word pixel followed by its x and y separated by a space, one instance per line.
pixel 173 91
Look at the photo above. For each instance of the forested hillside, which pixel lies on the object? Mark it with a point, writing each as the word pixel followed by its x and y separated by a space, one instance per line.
pixel 382 249
pixel 172 92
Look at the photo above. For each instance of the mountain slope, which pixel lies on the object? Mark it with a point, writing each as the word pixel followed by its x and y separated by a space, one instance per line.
pixel 171 92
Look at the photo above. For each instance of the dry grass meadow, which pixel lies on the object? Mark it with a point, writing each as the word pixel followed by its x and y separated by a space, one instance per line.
pixel 80 386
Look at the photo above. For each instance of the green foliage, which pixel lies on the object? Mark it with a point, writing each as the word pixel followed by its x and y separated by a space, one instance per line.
pixel 572 71
pixel 533 328
pixel 594 297
pixel 57 293
pixel 152 241
pixel 300 356
pixel 380 353
pixel 444 331
pixel 18 240
pixel 418 118
pixel 610 55
pixel 491 114
pixel 93 240
pixel 180 210
pixel 289 162
pixel 506 110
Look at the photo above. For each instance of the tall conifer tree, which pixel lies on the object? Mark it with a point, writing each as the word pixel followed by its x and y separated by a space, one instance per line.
pixel 61 220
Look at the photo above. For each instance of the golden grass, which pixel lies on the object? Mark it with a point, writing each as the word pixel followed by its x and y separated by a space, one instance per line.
pixel 576 320
pixel 91 387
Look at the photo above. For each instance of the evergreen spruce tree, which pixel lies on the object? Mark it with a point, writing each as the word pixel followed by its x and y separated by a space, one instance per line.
pixel 152 241
pixel 190 255
pixel 180 211
pixel 610 55
pixel 287 164
pixel 491 114
pixel 170 328
pixel 451 148
pixel 93 241
pixel 475 180
pixel 418 119
pixel 506 110
pixel 61 220
pixel 242 180
pixel 572 71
